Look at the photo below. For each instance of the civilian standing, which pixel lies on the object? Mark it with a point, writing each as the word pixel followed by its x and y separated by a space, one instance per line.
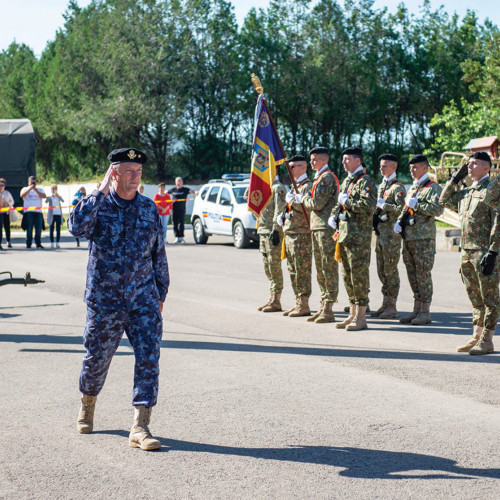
pixel 6 201
pixel 32 198
pixel 54 215
pixel 179 194
pixel 164 205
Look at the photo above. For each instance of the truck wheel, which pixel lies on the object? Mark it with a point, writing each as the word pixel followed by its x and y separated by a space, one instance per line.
pixel 241 239
pixel 199 235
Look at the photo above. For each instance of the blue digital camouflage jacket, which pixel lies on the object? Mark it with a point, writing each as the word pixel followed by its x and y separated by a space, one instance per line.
pixel 127 266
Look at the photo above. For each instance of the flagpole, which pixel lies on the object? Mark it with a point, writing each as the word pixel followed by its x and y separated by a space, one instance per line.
pixel 258 88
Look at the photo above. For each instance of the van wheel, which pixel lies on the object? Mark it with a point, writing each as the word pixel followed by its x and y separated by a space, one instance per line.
pixel 241 239
pixel 199 235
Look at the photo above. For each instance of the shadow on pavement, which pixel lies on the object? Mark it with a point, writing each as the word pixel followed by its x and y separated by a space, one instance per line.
pixel 36 305
pixel 340 352
pixel 358 463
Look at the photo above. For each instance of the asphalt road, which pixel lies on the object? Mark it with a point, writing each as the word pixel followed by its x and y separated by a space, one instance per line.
pixel 251 405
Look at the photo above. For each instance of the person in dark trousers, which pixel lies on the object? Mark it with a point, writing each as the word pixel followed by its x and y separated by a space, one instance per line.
pixel 179 194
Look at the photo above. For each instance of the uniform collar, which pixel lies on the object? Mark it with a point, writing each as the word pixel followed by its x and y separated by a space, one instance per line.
pixel 120 201
pixel 476 183
pixel 388 179
pixel 319 172
pixel 422 179
pixel 357 171
pixel 301 178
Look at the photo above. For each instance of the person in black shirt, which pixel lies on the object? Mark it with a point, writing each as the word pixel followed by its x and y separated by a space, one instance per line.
pixel 179 194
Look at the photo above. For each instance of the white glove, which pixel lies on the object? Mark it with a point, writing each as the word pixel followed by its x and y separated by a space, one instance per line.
pixel 412 203
pixel 298 197
pixel 331 222
pixel 343 198
pixel 397 228
pixel 290 197
pixel 281 220
pixel 381 203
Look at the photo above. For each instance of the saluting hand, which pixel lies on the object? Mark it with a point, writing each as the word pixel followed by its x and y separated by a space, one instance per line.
pixel 104 187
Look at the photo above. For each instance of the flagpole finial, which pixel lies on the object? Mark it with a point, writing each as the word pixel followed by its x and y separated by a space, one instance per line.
pixel 256 84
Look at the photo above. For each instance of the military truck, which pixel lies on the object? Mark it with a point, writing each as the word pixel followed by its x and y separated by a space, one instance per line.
pixel 17 154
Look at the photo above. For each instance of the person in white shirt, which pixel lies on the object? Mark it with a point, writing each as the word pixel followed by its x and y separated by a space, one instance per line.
pixel 32 200
pixel 54 215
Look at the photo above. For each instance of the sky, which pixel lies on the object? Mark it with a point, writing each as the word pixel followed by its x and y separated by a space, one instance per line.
pixel 35 22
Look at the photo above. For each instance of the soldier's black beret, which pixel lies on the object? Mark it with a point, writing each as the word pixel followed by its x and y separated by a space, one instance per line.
pixel 388 156
pixel 481 155
pixel 127 155
pixel 418 159
pixel 319 151
pixel 353 151
pixel 297 158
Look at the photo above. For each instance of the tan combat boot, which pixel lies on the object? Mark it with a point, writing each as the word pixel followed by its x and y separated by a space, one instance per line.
pixel 326 315
pixel 485 345
pixel 478 331
pixel 382 308
pixel 140 436
pixel 318 314
pixel 275 304
pixel 85 421
pixel 424 315
pixel 390 310
pixel 416 309
pixel 297 302
pixel 267 303
pixel 302 309
pixel 359 321
pixel 349 319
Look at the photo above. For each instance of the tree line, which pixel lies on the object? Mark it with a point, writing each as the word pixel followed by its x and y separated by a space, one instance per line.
pixel 173 77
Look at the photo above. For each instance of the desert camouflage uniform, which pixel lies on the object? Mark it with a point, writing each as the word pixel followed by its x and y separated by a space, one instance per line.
pixel 355 235
pixel 419 246
pixel 267 223
pixel 127 276
pixel 319 201
pixel 480 228
pixel 388 246
pixel 298 246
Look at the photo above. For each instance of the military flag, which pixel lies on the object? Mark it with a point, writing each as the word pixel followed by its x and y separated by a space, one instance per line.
pixel 267 154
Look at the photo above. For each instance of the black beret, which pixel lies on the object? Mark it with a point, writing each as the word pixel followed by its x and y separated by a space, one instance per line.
pixel 418 159
pixel 388 156
pixel 319 151
pixel 353 152
pixel 127 155
pixel 297 158
pixel 481 155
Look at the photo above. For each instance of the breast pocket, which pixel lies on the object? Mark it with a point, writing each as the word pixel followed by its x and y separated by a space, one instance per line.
pixel 477 204
pixel 108 230
pixel 144 229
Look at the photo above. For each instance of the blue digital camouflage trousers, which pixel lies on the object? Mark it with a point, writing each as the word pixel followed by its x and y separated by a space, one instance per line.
pixel 103 332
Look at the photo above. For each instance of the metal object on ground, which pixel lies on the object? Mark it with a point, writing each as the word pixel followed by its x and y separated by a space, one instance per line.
pixel 27 280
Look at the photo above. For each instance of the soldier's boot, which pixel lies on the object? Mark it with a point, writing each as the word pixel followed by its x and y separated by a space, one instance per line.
pixel 382 308
pixel 267 303
pixel 326 315
pixel 424 316
pixel 140 435
pixel 416 309
pixel 359 321
pixel 485 344
pixel 349 319
pixel 297 301
pixel 275 304
pixel 390 310
pixel 476 336
pixel 302 308
pixel 85 420
pixel 318 314
pixel 347 309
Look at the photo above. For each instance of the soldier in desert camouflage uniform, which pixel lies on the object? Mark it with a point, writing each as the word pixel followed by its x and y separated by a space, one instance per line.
pixel 353 218
pixel 391 200
pixel 298 243
pixel 127 282
pixel 320 201
pixel 271 236
pixel 479 242
pixel 419 245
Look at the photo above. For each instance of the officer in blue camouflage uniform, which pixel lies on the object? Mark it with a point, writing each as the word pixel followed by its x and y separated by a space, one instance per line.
pixel 127 282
